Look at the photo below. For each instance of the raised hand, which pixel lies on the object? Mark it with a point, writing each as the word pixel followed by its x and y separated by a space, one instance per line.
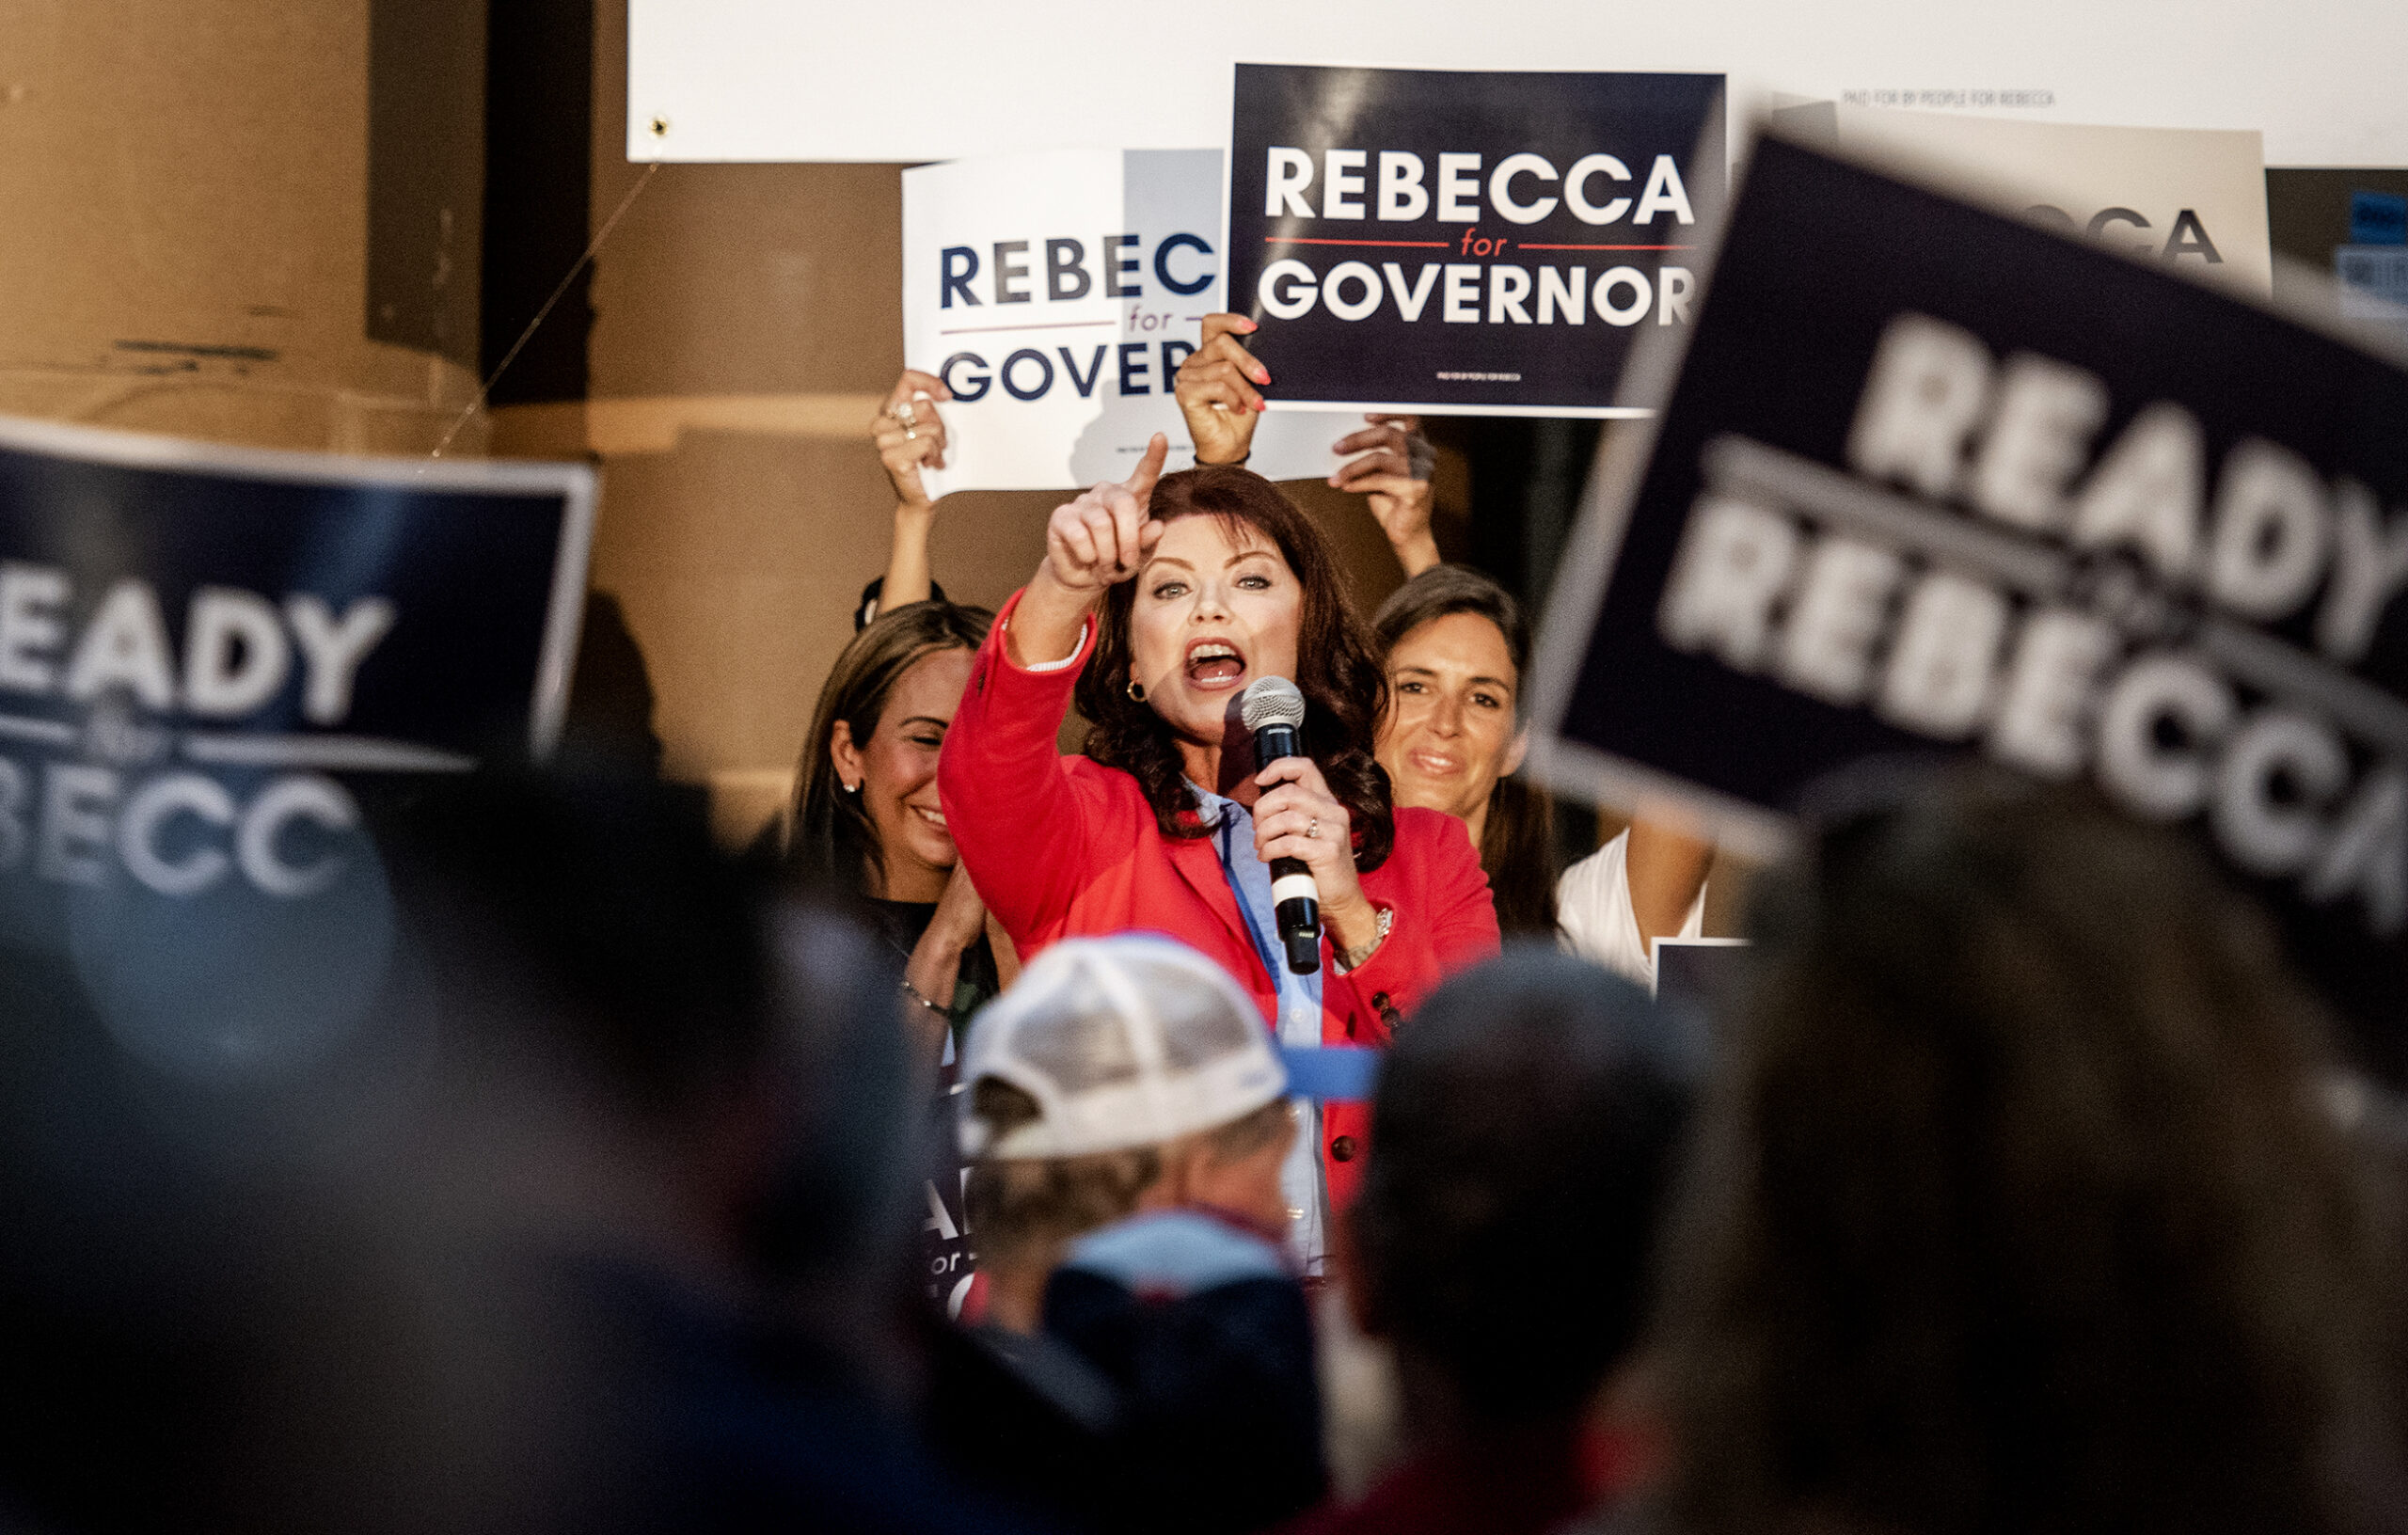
pixel 1091 544
pixel 1394 471
pixel 1217 393
pixel 909 436
pixel 910 433
pixel 1103 537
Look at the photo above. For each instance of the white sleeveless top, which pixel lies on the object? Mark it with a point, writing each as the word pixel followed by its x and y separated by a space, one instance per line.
pixel 1595 920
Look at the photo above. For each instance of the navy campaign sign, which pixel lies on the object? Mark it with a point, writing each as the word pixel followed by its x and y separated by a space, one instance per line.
pixel 209 660
pixel 1935 479
pixel 1464 242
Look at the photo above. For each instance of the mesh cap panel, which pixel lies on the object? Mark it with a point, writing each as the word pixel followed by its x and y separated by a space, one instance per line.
pixel 1198 1025
pixel 1123 1042
pixel 1085 1045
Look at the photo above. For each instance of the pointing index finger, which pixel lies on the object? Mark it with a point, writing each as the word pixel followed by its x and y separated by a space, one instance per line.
pixel 1149 468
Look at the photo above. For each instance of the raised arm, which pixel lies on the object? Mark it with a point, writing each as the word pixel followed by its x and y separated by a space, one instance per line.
pixel 1667 870
pixel 1014 813
pixel 1394 471
pixel 910 435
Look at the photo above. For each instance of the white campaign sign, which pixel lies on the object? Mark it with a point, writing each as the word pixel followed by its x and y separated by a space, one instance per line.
pixel 774 80
pixel 1055 294
pixel 2191 196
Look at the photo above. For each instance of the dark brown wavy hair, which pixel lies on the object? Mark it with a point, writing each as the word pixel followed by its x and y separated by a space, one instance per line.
pixel 1517 846
pixel 830 839
pixel 1338 668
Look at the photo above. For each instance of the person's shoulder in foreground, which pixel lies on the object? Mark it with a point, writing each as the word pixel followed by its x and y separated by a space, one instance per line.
pixel 1203 1326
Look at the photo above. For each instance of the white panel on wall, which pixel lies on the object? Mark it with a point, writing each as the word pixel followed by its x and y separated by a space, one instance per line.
pixel 785 80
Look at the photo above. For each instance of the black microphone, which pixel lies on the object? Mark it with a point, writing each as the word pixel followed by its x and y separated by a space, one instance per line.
pixel 1273 708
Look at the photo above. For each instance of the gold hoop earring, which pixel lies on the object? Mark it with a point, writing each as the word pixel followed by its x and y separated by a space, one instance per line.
pixel 1136 691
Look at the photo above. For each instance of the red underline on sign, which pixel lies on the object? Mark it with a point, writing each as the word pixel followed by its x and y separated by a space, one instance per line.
pixel 1056 325
pixel 1410 245
pixel 1527 246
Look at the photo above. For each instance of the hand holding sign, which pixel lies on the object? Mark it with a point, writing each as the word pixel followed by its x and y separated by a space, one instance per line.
pixel 1095 542
pixel 1394 471
pixel 1464 241
pixel 1216 391
pixel 909 432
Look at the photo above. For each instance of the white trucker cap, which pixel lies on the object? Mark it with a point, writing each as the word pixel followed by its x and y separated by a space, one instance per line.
pixel 1123 1042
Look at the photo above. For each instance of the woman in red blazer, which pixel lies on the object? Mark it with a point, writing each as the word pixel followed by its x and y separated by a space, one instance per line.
pixel 1232 582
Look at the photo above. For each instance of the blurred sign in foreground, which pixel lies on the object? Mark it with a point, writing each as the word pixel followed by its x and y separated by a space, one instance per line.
pixel 210 659
pixel 1995 489
pixel 2192 198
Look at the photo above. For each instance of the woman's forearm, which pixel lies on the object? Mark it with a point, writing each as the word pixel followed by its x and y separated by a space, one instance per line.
pixel 1666 868
pixel 907 578
pixel 1045 625
pixel 1417 553
pixel 1352 924
pixel 931 972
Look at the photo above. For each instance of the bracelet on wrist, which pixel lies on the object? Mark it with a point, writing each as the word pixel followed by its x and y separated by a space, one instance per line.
pixel 1238 462
pixel 1355 959
pixel 913 993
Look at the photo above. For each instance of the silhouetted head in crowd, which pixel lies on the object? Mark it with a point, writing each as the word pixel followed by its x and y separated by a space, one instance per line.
pixel 585 920
pixel 673 1109
pixel 1453 740
pixel 1524 1138
pixel 586 942
pixel 2017 1206
pixel 865 817
pixel 1240 563
pixel 625 1106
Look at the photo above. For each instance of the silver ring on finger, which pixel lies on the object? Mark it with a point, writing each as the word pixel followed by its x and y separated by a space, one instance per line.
pixel 911 436
pixel 902 412
pixel 1312 829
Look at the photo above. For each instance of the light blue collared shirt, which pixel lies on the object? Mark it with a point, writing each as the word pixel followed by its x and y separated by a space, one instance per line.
pixel 1300 1177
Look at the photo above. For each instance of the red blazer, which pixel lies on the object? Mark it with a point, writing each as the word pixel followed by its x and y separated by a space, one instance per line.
pixel 1066 848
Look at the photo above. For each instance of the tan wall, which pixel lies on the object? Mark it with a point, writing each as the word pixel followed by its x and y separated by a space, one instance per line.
pixel 187 204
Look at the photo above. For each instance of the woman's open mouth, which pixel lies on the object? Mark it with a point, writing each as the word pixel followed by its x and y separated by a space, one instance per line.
pixel 1213 664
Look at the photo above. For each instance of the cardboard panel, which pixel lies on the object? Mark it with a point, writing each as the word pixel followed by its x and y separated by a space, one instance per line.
pixel 197 171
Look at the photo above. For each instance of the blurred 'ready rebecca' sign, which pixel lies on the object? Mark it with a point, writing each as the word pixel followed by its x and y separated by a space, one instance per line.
pixel 212 664
pixel 1991 490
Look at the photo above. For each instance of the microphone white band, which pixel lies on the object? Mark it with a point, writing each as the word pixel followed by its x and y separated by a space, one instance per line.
pixel 1288 887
